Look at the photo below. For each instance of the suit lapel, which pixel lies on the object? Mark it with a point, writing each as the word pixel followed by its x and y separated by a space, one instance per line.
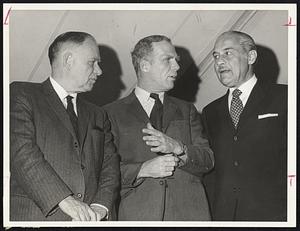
pixel 83 120
pixel 55 103
pixel 170 112
pixel 224 113
pixel 253 105
pixel 135 108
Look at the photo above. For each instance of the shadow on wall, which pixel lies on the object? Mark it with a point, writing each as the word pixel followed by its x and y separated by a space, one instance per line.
pixel 109 85
pixel 187 83
pixel 266 67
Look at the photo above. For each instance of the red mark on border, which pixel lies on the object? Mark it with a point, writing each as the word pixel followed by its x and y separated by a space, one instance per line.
pixel 290 22
pixel 5 21
pixel 291 179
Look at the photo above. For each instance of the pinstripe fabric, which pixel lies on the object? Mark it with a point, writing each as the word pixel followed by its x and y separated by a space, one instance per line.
pixel 47 161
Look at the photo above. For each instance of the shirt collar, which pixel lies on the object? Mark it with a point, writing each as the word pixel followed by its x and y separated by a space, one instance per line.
pixel 144 96
pixel 246 87
pixel 61 92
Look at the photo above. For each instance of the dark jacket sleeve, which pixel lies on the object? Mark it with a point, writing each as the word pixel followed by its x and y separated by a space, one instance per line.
pixel 200 158
pixel 109 183
pixel 209 178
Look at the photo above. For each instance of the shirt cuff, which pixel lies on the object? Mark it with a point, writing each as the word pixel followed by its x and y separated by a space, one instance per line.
pixel 102 206
pixel 183 156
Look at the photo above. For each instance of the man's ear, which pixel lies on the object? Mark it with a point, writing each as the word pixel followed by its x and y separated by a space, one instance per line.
pixel 145 65
pixel 252 55
pixel 68 59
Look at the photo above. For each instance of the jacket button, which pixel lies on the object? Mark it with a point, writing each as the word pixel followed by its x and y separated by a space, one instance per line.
pixel 161 182
pixel 79 195
pixel 236 163
pixel 235 138
pixel 82 167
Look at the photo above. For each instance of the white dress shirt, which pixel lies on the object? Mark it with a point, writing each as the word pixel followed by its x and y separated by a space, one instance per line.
pixel 245 88
pixel 62 94
pixel 146 101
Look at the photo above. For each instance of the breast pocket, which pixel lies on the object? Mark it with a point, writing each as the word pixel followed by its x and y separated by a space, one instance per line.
pixel 268 122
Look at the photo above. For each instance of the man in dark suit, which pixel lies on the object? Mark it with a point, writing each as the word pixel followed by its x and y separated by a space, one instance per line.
pixel 62 159
pixel 247 130
pixel 161 167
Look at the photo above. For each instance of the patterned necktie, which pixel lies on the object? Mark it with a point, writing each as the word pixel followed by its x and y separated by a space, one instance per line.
pixel 72 115
pixel 236 107
pixel 156 113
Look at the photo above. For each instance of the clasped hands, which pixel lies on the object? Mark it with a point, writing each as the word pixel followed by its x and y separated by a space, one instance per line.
pixel 80 211
pixel 162 165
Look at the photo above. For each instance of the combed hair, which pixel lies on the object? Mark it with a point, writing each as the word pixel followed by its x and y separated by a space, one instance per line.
pixel 76 37
pixel 144 47
pixel 246 40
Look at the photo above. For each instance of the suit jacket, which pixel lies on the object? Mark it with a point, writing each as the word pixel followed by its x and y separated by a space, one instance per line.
pixel 48 162
pixel 180 197
pixel 249 181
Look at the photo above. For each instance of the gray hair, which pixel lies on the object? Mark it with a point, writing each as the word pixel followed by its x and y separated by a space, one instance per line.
pixel 76 37
pixel 246 41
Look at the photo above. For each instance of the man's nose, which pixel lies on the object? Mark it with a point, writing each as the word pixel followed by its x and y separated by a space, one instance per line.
pixel 220 61
pixel 176 66
pixel 97 69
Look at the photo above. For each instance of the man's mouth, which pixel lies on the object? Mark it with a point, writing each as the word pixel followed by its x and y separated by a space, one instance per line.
pixel 173 76
pixel 223 71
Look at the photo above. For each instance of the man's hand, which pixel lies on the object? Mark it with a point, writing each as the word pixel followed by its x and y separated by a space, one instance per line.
pixel 161 142
pixel 77 210
pixel 161 166
pixel 100 211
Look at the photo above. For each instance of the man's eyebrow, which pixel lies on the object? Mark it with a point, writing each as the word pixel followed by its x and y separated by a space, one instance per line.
pixel 95 59
pixel 225 49
pixel 228 48
pixel 177 57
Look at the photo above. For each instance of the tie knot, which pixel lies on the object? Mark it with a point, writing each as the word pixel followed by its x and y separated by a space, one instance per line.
pixel 154 96
pixel 69 98
pixel 236 93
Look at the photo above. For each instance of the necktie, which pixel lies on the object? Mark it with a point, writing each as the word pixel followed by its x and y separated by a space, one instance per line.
pixel 236 107
pixel 156 113
pixel 72 115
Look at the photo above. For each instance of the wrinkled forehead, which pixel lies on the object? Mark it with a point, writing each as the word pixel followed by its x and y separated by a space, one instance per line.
pixel 227 41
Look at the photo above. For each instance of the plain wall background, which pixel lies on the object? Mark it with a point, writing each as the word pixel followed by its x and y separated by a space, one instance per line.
pixel 117 31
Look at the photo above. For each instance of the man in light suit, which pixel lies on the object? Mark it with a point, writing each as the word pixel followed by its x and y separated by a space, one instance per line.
pixel 247 130
pixel 161 169
pixel 63 162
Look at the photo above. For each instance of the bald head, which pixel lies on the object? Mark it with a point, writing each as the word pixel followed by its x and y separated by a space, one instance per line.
pixel 245 40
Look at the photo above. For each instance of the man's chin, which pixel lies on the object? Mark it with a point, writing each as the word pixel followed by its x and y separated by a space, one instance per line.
pixel 227 82
pixel 87 89
pixel 170 87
